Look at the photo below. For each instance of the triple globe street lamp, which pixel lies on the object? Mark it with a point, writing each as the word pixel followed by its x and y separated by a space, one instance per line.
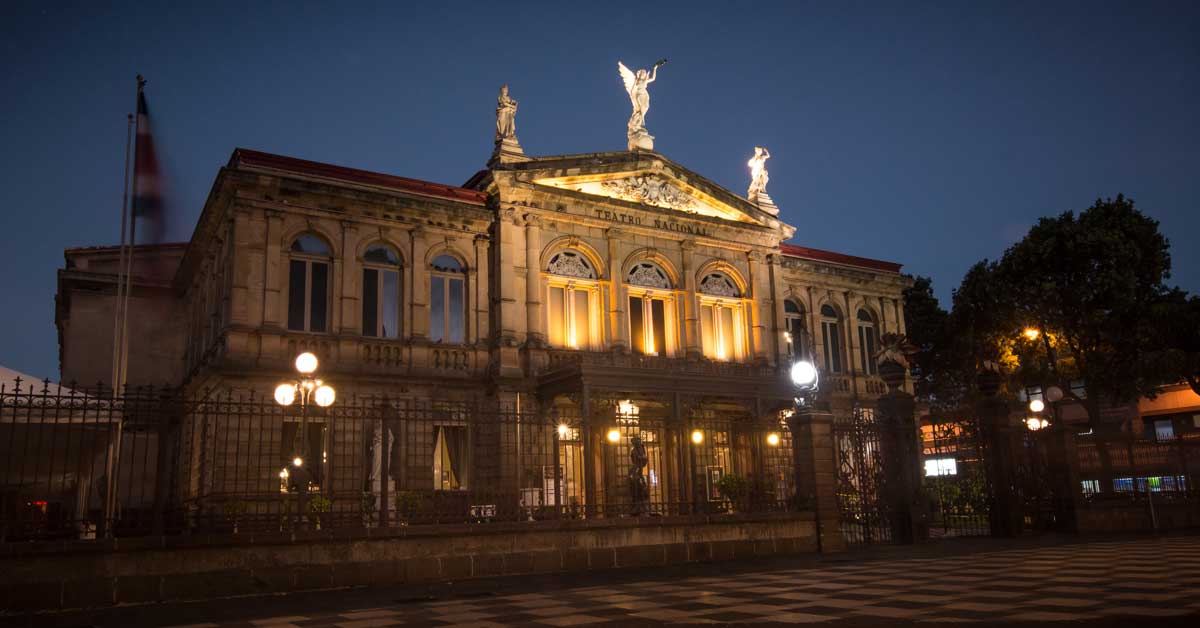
pixel 308 390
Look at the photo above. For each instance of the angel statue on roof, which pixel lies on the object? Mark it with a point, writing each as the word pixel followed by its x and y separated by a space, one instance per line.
pixel 636 85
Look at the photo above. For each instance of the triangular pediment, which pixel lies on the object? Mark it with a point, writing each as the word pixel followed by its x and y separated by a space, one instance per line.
pixel 647 180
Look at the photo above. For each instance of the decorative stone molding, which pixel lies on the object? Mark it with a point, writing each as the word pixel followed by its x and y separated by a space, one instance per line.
pixel 650 190
pixel 718 284
pixel 648 275
pixel 570 264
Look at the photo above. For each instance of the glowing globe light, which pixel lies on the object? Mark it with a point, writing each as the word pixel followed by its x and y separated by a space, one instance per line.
pixel 804 374
pixel 773 439
pixel 306 363
pixel 324 396
pixel 1035 423
pixel 1031 333
pixel 1037 405
pixel 563 430
pixel 285 394
pixel 297 461
pixel 697 437
pixel 614 435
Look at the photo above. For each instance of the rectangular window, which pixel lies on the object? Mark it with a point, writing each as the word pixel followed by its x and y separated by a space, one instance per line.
pixel 637 331
pixel 437 309
pixel 297 285
pixel 456 333
pixel 389 309
pixel 832 346
pixel 370 302
pixel 717 331
pixel 558 317
pixel 659 333
pixel 707 327
pixel 318 297
pixel 309 447
pixel 795 337
pixel 580 336
pixel 866 349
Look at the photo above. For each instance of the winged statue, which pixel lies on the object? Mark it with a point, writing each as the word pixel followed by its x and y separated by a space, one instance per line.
pixel 636 85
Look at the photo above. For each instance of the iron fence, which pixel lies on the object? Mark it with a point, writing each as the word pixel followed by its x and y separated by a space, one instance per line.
pixel 87 463
pixel 1122 467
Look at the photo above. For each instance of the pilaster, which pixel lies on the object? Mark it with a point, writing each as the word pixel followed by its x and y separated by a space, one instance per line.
pixel 816 473
pixel 533 282
pixel 691 331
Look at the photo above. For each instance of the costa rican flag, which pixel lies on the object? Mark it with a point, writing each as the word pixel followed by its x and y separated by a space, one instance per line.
pixel 147 180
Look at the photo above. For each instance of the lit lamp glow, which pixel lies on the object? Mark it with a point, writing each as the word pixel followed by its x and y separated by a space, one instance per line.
pixel 1036 423
pixel 1031 333
pixel 697 437
pixel 804 374
pixel 285 394
pixel 324 396
pixel 614 435
pixel 563 430
pixel 297 461
pixel 773 439
pixel 306 363
pixel 1037 405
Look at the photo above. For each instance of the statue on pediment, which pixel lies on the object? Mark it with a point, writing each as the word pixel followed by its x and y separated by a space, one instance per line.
pixel 636 85
pixel 506 114
pixel 758 172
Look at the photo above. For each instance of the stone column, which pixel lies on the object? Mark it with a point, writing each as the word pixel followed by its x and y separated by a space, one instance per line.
pixel 1003 448
pixel 533 282
pixel 816 473
pixel 481 287
pixel 618 323
pixel 1062 460
pixel 691 333
pixel 349 295
pixel 777 347
pixel 274 274
pixel 901 456
pixel 418 311
pixel 758 345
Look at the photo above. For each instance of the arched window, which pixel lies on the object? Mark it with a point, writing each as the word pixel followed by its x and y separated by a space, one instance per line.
pixel 831 332
pixel 648 310
pixel 308 284
pixel 868 340
pixel 794 328
pixel 381 292
pixel 720 317
pixel 447 300
pixel 574 293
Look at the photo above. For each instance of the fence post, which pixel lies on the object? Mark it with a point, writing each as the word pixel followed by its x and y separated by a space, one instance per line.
pixel 1063 460
pixel 163 475
pixel 815 467
pixel 902 472
pixel 1005 510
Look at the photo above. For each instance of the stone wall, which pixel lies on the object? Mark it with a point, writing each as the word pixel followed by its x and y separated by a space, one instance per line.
pixel 77 574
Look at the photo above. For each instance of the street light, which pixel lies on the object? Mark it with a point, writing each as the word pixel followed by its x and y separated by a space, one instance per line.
pixel 1037 405
pixel 307 389
pixel 1031 333
pixel 806 379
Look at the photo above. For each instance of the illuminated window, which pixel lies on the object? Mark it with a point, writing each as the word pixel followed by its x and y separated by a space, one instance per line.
pixel 381 293
pixel 941 466
pixel 308 284
pixel 648 311
pixel 573 292
pixel 720 317
pixel 794 327
pixel 447 300
pixel 831 337
pixel 867 341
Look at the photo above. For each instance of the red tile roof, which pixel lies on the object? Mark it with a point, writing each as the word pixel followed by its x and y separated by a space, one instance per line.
pixel 838 258
pixel 256 159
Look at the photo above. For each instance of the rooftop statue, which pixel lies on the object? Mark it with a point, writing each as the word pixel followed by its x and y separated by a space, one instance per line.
pixel 506 113
pixel 758 172
pixel 636 85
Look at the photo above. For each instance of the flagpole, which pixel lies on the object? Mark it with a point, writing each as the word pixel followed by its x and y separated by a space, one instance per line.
pixel 116 358
pixel 141 84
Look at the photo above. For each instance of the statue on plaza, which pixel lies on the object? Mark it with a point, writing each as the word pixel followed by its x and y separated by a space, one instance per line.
pixel 639 96
pixel 639 492
pixel 758 172
pixel 506 113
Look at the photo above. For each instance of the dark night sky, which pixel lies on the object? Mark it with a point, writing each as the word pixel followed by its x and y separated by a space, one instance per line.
pixel 928 134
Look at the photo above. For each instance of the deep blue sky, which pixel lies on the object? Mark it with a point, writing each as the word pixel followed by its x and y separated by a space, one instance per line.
pixel 928 134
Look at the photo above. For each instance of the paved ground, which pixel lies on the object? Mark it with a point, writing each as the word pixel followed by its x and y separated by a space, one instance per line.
pixel 1117 582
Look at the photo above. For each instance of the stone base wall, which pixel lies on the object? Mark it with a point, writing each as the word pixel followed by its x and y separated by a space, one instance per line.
pixel 75 574
pixel 1127 517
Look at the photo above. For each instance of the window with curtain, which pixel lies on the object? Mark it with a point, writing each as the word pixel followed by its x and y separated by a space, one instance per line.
pixel 868 340
pixel 647 310
pixel 720 317
pixel 450 458
pixel 572 286
pixel 381 290
pixel 447 300
pixel 308 284
pixel 831 332
pixel 794 327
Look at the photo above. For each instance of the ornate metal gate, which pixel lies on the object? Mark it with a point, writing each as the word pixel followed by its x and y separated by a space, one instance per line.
pixel 956 479
pixel 859 447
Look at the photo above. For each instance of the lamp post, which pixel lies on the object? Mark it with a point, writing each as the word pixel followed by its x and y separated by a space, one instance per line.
pixel 307 389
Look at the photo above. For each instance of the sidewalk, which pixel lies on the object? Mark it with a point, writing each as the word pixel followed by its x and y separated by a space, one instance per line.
pixel 1013 582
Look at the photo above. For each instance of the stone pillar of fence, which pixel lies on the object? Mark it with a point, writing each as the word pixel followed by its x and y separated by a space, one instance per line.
pixel 902 489
pixel 1002 448
pixel 816 473
pixel 1063 461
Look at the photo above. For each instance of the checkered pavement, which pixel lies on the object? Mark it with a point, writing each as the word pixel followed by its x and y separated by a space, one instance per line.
pixel 1150 578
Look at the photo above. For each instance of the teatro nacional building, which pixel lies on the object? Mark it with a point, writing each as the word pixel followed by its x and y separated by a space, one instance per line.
pixel 613 291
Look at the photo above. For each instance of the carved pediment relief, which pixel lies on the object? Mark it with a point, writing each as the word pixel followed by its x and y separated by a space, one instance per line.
pixel 650 188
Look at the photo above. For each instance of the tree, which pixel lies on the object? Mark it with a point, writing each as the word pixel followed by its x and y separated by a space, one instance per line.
pixel 1172 334
pixel 925 322
pixel 1089 284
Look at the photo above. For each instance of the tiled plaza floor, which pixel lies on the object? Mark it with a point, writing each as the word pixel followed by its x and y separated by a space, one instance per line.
pixel 1152 578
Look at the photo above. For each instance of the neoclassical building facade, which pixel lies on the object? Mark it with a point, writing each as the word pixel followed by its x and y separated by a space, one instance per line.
pixel 559 285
